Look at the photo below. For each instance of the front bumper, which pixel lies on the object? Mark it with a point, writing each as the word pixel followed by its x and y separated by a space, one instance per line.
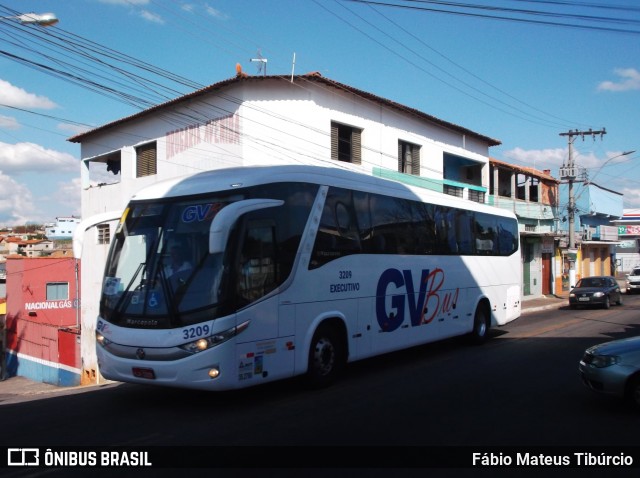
pixel 189 372
pixel 608 380
pixel 587 301
pixel 633 286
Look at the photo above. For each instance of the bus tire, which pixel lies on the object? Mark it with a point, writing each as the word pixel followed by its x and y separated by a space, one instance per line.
pixel 327 357
pixel 481 325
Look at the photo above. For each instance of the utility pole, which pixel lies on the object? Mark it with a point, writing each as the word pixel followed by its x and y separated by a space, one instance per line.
pixel 569 173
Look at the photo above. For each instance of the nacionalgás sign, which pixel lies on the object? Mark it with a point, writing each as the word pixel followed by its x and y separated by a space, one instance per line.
pixel 52 304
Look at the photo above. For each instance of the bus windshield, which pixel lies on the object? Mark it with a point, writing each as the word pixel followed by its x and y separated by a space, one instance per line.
pixel 161 274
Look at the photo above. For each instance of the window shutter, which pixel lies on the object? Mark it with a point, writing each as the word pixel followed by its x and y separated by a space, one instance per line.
pixel 334 141
pixel 146 160
pixel 408 158
pixel 415 160
pixel 356 149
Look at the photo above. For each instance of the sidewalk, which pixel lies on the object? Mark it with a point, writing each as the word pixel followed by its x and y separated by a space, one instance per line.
pixel 538 303
pixel 21 389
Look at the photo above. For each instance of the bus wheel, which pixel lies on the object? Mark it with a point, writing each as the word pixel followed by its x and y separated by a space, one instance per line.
pixel 480 326
pixel 326 357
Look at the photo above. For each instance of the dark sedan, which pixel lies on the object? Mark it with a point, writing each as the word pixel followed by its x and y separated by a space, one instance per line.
pixel 595 290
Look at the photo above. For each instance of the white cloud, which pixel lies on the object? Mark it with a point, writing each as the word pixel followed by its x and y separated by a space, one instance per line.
pixel 629 80
pixel 214 12
pixel 16 202
pixel 67 196
pixel 555 158
pixel 145 14
pixel 151 17
pixel 13 96
pixel 537 158
pixel 73 129
pixel 208 9
pixel 25 157
pixel 588 161
pixel 8 122
pixel 631 197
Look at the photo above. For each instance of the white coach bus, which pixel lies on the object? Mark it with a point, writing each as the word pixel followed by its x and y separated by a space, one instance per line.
pixel 235 277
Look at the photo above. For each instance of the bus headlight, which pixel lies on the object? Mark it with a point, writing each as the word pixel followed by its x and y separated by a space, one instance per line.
pixel 102 340
pixel 215 339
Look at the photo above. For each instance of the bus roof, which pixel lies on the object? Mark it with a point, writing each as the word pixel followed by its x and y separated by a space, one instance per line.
pixel 228 179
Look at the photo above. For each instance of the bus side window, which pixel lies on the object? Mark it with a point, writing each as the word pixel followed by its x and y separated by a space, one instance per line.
pixel 424 228
pixel 338 232
pixel 485 233
pixel 257 274
pixel 507 237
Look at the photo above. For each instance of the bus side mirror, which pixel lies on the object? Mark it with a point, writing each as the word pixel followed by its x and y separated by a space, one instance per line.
pixel 226 218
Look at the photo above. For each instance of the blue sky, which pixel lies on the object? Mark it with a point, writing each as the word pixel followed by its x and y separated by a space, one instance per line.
pixel 519 82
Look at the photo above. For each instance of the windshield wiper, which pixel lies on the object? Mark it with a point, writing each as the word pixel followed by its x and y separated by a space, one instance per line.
pixel 117 309
pixel 172 308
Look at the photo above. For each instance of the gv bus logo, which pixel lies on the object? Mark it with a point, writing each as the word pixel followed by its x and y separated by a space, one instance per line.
pixel 422 306
pixel 23 457
pixel 201 212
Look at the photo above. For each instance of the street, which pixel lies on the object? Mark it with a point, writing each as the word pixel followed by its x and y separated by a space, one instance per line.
pixel 516 389
pixel 519 389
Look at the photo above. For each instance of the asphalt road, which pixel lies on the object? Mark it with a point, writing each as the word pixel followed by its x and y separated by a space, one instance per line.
pixel 519 389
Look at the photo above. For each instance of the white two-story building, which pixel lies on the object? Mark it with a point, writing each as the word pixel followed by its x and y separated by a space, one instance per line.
pixel 258 120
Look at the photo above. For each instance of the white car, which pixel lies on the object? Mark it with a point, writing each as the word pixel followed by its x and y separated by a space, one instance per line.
pixel 613 368
pixel 633 280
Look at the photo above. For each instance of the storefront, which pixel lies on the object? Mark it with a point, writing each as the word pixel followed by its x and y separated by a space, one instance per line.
pixel 42 321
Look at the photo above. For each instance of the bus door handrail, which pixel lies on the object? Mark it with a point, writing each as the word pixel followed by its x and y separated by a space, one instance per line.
pixel 221 224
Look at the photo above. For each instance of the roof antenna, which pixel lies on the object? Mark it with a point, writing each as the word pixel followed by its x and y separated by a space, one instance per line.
pixel 262 63
pixel 293 65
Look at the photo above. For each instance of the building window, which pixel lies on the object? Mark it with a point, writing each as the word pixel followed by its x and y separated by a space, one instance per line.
pixel 408 158
pixel 534 190
pixel 146 160
pixel 103 170
pixel 345 143
pixel 453 190
pixel 104 234
pixel 477 196
pixel 57 290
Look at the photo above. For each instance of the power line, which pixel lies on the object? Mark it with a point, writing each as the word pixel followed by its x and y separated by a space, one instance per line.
pixel 473 9
pixel 112 61
pixel 106 85
pixel 511 110
pixel 178 119
pixel 56 118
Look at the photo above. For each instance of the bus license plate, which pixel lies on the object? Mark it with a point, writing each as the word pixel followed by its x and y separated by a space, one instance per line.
pixel 140 372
